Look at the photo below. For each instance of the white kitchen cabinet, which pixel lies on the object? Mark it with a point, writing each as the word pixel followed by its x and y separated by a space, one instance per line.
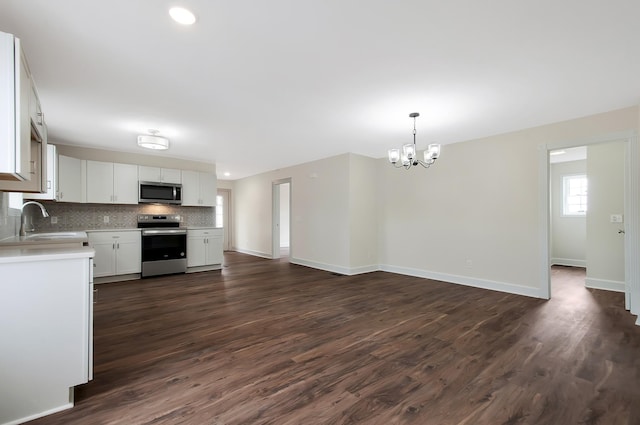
pixel 204 248
pixel 37 182
pixel 51 184
pixel 15 122
pixel 112 183
pixel 199 189
pixel 46 311
pixel 157 174
pixel 72 180
pixel 117 252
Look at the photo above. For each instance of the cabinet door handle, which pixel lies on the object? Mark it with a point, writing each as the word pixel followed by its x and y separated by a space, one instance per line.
pixel 114 246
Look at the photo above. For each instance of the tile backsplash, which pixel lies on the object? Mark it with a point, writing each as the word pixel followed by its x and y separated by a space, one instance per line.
pixel 71 217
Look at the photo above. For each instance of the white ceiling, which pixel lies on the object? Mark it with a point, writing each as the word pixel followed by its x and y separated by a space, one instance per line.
pixel 257 85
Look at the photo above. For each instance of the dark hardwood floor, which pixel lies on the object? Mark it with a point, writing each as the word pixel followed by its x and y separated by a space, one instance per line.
pixel 266 342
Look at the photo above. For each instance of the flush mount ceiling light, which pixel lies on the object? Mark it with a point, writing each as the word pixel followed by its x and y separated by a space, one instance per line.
pixel 152 141
pixel 408 157
pixel 182 15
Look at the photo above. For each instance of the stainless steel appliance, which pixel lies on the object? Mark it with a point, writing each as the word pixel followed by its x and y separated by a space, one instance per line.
pixel 164 245
pixel 160 193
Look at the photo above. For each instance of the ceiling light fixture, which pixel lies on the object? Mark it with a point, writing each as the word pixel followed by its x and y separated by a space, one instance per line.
pixel 408 157
pixel 152 141
pixel 557 153
pixel 182 15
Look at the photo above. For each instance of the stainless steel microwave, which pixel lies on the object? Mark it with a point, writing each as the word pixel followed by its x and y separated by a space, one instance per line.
pixel 160 193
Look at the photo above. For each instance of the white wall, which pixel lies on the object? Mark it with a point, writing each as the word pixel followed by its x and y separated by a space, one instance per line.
pixel 568 234
pixel 473 218
pixel 605 247
pixel 319 212
pixel 157 159
pixel 363 213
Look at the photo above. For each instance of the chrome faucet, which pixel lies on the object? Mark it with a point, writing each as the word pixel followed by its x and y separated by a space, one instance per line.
pixel 23 217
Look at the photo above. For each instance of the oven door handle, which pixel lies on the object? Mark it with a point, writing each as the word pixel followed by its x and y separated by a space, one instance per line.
pixel 164 232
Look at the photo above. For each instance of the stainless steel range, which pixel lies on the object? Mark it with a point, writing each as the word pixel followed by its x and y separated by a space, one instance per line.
pixel 164 245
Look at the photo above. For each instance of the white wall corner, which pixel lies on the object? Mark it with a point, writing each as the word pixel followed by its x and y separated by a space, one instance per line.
pixel 255 253
pixel 348 271
pixel 607 285
pixel 468 281
pixel 568 262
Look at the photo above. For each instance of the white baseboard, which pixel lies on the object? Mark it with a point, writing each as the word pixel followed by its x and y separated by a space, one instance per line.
pixel 40 415
pixel 568 262
pixel 607 285
pixel 349 271
pixel 254 253
pixel 448 278
pixel 467 281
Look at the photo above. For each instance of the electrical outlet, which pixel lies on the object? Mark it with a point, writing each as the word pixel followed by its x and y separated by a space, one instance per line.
pixel 106 219
pixel 54 220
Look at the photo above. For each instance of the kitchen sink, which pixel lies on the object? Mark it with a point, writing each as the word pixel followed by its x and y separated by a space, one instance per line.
pixel 56 235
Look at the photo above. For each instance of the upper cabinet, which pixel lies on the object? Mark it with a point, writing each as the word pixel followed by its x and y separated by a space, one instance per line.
pixel 112 183
pixel 72 181
pixel 156 174
pixel 51 177
pixel 23 139
pixel 198 189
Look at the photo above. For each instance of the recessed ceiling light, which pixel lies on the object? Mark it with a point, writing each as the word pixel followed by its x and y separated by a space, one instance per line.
pixel 182 15
pixel 227 174
pixel 557 153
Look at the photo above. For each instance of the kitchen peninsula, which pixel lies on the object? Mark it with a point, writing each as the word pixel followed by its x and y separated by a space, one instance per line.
pixel 46 312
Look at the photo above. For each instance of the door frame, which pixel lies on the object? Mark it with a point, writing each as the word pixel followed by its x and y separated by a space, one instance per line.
pixel 631 212
pixel 275 217
pixel 227 241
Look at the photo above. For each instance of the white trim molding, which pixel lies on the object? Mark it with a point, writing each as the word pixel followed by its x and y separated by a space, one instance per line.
pixel 467 281
pixel 569 262
pixel 348 271
pixel 254 253
pixel 607 285
pixel 631 211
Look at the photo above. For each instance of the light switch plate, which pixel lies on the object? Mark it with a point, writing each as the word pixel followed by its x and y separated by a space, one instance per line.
pixel 616 218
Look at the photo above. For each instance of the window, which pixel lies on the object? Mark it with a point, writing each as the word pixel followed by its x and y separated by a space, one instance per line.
pixel 575 195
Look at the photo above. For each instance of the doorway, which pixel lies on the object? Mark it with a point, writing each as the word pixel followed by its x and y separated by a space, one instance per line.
pixel 223 216
pixel 587 204
pixel 281 219
pixel 629 225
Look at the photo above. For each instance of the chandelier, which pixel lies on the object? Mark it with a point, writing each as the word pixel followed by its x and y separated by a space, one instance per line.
pixel 409 155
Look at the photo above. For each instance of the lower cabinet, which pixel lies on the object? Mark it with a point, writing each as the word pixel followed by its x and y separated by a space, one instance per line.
pixel 46 328
pixel 204 249
pixel 117 252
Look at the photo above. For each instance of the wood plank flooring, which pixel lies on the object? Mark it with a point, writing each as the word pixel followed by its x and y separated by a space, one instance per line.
pixel 267 342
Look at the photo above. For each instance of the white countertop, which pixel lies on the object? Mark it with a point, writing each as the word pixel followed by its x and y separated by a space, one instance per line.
pixel 70 238
pixel 203 227
pixel 114 230
pixel 21 255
